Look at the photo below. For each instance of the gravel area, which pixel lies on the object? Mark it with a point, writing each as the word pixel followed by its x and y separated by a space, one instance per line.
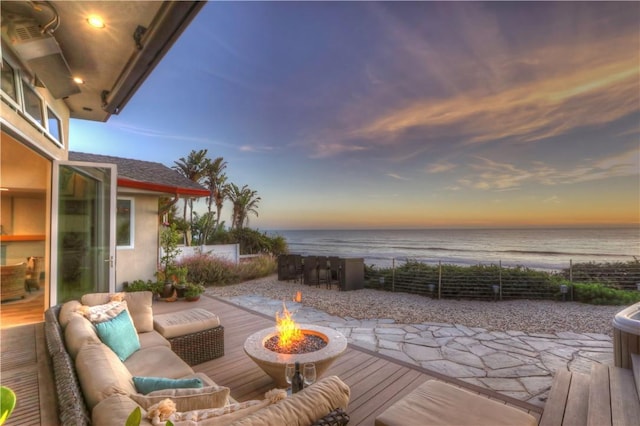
pixel 519 315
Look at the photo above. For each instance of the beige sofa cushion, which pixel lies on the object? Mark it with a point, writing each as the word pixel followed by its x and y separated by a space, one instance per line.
pixel 68 311
pixel 186 399
pixel 115 410
pixel 101 373
pixel 303 408
pixel 151 339
pixel 79 331
pixel 157 361
pixel 139 303
pixel 185 322
pixel 438 403
pixel 222 416
pixel 93 299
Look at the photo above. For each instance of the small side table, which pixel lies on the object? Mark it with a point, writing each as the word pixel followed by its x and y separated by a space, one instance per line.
pixel 196 335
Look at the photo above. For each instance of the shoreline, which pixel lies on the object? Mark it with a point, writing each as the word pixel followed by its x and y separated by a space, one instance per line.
pixel 539 316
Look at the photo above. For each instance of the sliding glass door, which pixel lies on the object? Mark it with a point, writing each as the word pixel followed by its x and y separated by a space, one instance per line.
pixel 83 225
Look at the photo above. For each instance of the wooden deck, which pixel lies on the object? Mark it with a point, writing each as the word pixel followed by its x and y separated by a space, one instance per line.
pixel 25 367
pixel 376 381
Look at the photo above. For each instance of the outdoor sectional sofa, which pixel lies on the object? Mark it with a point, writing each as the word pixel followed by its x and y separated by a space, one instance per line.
pixel 94 386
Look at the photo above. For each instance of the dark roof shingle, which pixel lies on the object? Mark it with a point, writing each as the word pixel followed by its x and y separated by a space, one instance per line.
pixel 144 172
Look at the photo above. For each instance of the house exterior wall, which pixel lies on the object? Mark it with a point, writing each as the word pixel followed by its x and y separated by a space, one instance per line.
pixel 228 252
pixel 141 261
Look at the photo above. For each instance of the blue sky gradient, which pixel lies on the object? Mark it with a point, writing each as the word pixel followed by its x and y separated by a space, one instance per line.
pixel 416 114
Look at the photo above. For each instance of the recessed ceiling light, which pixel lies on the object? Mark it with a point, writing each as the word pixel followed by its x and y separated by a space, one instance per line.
pixel 95 21
pixel 78 80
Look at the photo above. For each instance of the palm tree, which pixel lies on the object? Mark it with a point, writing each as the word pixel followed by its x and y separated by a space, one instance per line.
pixel 245 201
pixel 215 180
pixel 192 168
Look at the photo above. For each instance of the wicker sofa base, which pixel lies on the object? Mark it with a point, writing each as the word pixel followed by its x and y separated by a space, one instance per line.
pixel 199 347
pixel 337 417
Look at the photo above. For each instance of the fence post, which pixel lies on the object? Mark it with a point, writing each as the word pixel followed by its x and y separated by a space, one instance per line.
pixel 393 275
pixel 571 278
pixel 439 277
pixel 500 277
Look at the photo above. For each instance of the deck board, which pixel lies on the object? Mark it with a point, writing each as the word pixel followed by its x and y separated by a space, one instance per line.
pixel 25 368
pixel 575 413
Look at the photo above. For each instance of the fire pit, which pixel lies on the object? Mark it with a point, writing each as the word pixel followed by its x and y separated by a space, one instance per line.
pixel 262 347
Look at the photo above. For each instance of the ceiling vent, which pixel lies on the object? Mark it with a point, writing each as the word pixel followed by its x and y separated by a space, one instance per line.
pixel 43 56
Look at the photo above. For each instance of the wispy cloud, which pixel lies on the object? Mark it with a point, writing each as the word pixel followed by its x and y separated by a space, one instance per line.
pixel 153 133
pixel 324 150
pixel 254 148
pixel 496 92
pixel 440 167
pixel 398 177
pixel 500 176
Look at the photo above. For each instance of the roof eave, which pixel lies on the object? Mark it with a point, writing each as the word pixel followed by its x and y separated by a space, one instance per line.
pixel 155 187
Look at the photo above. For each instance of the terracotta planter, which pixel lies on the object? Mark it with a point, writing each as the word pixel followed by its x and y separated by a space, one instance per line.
pixel 192 298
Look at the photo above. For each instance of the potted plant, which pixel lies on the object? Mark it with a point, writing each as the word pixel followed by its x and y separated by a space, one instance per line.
pixel 179 278
pixel 193 292
pixel 169 239
pixel 141 285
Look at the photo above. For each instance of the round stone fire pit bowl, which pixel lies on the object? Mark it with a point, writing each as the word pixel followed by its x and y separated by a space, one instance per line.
pixel 273 363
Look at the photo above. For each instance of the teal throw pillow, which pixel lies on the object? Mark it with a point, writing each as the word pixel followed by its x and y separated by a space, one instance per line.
pixel 119 334
pixel 145 385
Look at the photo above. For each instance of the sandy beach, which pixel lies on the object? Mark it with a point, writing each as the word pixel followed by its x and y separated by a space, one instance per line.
pixel 521 315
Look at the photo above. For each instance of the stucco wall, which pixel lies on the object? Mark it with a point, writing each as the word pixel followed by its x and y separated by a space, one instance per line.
pixel 140 262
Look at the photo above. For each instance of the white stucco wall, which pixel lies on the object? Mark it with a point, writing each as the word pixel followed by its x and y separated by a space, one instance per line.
pixel 140 262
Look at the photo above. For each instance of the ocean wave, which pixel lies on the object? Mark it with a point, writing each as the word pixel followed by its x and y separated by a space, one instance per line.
pixel 513 251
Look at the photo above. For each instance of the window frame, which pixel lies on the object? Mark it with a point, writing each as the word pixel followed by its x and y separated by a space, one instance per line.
pixel 17 84
pixel 28 116
pixel 50 113
pixel 132 228
pixel 20 81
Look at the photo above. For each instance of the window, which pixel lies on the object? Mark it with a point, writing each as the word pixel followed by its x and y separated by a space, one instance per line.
pixel 9 86
pixel 33 104
pixel 54 126
pixel 17 93
pixel 124 223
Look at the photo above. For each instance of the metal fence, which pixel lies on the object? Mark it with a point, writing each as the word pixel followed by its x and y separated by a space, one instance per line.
pixel 497 282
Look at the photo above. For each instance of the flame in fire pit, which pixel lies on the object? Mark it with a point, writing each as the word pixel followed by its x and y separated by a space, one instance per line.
pixel 288 331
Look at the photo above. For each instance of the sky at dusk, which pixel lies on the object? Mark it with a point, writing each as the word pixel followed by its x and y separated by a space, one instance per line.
pixel 401 115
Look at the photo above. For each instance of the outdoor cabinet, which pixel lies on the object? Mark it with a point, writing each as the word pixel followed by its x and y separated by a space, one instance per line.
pixel 283 267
pixel 310 271
pixel 352 274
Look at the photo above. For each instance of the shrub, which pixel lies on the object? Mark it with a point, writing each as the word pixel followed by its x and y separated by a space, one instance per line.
pixel 599 294
pixel 252 241
pixel 212 271
pixel 207 269
pixel 257 267
pixel 140 285
pixel 621 275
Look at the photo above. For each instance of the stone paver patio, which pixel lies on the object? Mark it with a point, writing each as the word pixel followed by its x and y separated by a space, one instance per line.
pixel 513 363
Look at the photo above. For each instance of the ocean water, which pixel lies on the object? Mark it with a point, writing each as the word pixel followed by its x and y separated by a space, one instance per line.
pixel 537 248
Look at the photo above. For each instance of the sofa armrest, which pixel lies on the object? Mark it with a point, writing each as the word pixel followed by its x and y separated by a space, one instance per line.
pixel 305 407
